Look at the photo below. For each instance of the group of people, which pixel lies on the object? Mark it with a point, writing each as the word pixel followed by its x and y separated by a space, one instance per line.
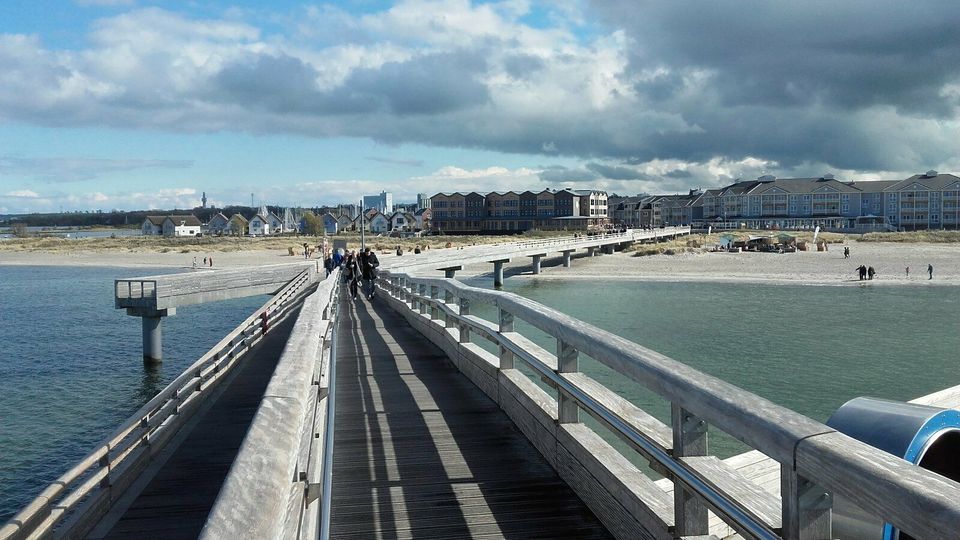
pixel 866 272
pixel 358 268
pixel 207 261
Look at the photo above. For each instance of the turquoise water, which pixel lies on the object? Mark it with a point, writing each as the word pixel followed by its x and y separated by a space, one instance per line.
pixel 71 367
pixel 807 348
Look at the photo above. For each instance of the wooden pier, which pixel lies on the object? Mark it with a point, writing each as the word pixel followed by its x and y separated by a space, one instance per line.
pixel 411 417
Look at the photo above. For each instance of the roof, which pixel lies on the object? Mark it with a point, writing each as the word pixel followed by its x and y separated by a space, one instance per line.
pixel 932 182
pixel 240 217
pixel 189 220
pixel 156 220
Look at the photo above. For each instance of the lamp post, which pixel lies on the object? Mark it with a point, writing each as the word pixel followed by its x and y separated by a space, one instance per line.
pixel 362 217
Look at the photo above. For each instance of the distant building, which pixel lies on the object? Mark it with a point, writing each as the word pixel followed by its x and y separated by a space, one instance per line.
pixel 276 224
pixel 511 212
pixel 238 225
pixel 379 223
pixel 181 226
pixel 424 218
pixel 218 224
pixel 382 202
pixel 330 223
pixel 259 225
pixel 345 223
pixel 153 225
pixel 423 201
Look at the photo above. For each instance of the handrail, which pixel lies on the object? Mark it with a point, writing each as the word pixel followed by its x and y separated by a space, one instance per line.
pixel 915 500
pixel 70 502
pixel 275 487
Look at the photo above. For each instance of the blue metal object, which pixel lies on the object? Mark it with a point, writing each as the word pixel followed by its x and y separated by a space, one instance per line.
pixel 905 430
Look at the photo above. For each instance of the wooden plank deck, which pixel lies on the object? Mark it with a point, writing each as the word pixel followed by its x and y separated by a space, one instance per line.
pixel 176 501
pixel 420 452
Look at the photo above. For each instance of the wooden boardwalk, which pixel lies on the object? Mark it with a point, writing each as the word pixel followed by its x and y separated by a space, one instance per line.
pixel 176 501
pixel 420 452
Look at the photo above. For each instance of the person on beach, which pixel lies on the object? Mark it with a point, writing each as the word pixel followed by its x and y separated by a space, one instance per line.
pixel 210 260
pixel 862 270
pixel 399 251
pixel 930 271
pixel 194 262
pixel 908 272
pixel 871 272
pixel 204 261
pixel 846 252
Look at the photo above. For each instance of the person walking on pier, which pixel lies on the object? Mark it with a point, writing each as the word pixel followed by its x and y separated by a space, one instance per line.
pixel 351 274
pixel 368 268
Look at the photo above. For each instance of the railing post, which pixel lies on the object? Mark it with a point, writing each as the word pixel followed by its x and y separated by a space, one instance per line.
pixel 506 325
pixel 806 507
pixel 464 328
pixel 567 362
pixel 434 309
pixel 448 299
pixel 689 439
pixel 423 293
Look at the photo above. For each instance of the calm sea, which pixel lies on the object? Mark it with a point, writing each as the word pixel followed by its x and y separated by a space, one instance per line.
pixel 71 366
pixel 807 348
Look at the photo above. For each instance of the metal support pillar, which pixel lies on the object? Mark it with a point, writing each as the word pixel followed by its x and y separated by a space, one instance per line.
pixel 152 325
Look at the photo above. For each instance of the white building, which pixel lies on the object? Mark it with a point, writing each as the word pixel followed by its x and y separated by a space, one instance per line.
pixel 276 224
pixel 379 223
pixel 382 202
pixel 259 225
pixel 181 226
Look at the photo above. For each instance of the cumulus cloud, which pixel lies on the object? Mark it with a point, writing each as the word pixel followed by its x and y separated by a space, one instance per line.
pixel 855 86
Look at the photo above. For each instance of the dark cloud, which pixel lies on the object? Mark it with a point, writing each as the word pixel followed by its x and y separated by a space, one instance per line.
pixel 558 174
pixel 64 170
pixel 522 66
pixel 396 161
pixel 616 172
pixel 678 173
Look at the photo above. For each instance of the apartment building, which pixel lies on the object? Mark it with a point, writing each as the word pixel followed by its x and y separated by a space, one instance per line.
pixel 510 211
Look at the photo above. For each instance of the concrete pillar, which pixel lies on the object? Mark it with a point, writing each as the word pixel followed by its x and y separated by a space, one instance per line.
pixel 536 263
pixel 152 325
pixel 498 272
pixel 566 257
pixel 152 339
pixel 450 271
pixel 592 251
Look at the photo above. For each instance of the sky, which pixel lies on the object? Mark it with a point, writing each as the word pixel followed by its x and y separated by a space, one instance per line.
pixel 138 104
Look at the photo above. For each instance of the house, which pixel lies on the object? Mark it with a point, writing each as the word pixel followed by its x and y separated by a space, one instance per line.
pixel 398 221
pixel 259 225
pixel 218 224
pixel 276 224
pixel 181 226
pixel 330 223
pixel 153 225
pixel 379 223
pixel 423 218
pixel 238 225
pixel 345 222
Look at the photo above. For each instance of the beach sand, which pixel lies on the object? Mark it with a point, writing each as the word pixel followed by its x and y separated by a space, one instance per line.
pixel 811 267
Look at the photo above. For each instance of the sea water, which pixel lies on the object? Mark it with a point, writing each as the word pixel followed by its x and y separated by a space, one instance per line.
pixel 808 348
pixel 71 367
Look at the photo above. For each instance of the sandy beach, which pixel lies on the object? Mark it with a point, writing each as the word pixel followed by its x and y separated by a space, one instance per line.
pixel 890 260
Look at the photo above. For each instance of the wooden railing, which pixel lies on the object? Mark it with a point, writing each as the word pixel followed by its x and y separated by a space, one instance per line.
pixel 280 480
pixel 76 501
pixel 815 460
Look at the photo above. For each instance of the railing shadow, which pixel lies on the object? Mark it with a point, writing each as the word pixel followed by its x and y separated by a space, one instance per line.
pixel 440 457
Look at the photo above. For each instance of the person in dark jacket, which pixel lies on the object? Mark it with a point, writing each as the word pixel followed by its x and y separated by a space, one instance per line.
pixel 351 273
pixel 368 269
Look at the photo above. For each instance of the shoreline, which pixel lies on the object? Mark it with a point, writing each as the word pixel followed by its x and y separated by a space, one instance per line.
pixel 810 268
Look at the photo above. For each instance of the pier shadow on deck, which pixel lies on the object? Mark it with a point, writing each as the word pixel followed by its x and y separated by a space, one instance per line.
pixel 420 452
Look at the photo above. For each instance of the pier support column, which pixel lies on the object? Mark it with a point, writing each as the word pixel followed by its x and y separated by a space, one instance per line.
pixel 498 272
pixel 152 321
pixel 450 271
pixel 592 251
pixel 608 249
pixel 566 257
pixel 536 262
